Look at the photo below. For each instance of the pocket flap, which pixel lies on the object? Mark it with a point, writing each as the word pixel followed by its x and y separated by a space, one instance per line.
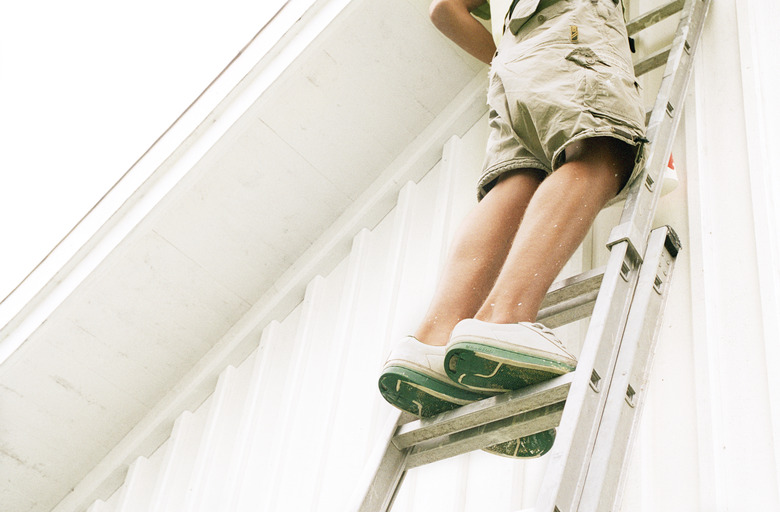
pixel 522 11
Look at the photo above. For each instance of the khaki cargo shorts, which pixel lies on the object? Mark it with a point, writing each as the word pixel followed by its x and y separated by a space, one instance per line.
pixel 562 73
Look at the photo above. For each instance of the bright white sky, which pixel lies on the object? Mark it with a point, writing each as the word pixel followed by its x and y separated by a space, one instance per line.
pixel 86 86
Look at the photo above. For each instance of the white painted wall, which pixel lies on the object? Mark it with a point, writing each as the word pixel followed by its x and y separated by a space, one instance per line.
pixel 291 428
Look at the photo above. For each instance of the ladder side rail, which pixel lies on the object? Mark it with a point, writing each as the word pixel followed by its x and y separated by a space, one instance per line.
pixel 569 460
pixel 606 476
pixel 564 481
pixel 388 469
pixel 638 212
pixel 576 436
pixel 387 481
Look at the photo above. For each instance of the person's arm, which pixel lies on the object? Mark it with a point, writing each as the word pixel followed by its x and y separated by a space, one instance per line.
pixel 454 20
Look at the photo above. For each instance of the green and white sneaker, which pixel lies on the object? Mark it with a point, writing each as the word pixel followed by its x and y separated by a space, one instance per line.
pixel 413 380
pixel 487 357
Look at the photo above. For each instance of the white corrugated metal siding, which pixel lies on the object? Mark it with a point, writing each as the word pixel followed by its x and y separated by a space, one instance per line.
pixel 291 428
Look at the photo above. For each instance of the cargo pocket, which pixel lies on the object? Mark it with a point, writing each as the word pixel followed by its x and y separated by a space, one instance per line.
pixel 608 91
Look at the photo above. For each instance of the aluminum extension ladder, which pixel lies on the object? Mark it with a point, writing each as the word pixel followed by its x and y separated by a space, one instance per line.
pixel 596 407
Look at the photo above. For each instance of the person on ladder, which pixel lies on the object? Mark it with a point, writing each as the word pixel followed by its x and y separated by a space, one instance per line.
pixel 566 137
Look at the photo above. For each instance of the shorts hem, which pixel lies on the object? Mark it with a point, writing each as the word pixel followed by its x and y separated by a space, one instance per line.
pixel 492 173
pixel 633 139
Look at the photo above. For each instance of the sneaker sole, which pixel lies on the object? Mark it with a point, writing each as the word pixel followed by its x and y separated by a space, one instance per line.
pixel 424 396
pixel 420 394
pixel 528 447
pixel 492 369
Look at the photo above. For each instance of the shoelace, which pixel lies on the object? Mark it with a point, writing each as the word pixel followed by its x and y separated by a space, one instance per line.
pixel 549 332
pixel 545 330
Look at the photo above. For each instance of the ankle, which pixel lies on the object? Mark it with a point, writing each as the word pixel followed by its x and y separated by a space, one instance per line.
pixel 436 337
pixel 434 342
pixel 497 314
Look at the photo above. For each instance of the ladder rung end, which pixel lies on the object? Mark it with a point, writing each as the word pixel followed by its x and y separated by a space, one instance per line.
pixel 652 62
pixel 485 411
pixel 476 438
pixel 654 16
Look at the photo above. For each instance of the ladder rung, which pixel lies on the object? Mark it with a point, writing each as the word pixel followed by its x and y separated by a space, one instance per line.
pixel 485 411
pixel 476 438
pixel 653 61
pixel 571 299
pixel 654 16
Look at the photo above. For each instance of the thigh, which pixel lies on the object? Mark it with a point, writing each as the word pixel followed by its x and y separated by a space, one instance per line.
pixel 609 162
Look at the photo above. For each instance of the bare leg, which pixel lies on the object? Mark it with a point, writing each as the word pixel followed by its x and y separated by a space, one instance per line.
pixel 556 221
pixel 478 253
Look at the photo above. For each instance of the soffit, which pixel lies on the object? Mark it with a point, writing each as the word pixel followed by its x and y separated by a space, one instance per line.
pixel 307 148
